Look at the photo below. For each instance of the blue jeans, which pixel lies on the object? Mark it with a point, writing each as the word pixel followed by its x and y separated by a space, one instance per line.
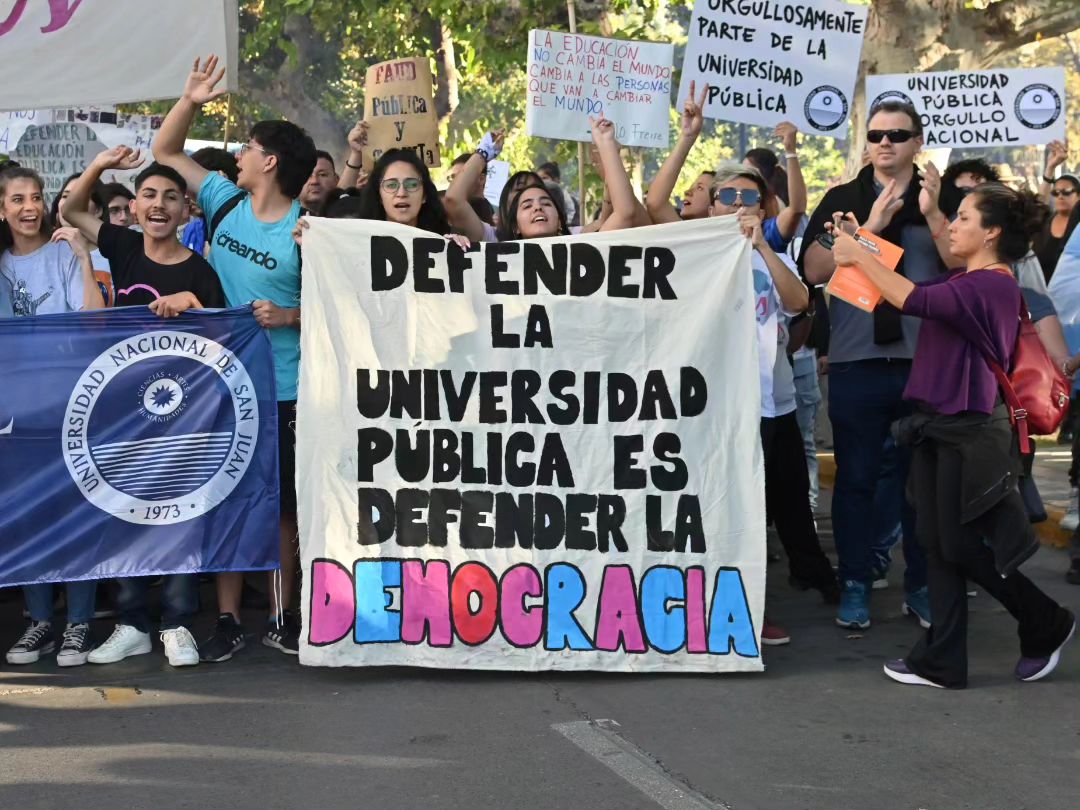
pixel 865 398
pixel 179 601
pixel 807 400
pixel 80 601
pixel 888 515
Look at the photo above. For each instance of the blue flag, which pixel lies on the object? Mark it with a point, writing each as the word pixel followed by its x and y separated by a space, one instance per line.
pixel 131 444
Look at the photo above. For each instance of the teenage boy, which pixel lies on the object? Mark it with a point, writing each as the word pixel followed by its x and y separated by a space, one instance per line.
pixel 152 269
pixel 253 252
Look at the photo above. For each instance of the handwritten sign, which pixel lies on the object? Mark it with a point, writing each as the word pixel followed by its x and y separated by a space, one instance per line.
pixel 398 105
pixel 498 174
pixel 572 77
pixel 776 61
pixel 981 108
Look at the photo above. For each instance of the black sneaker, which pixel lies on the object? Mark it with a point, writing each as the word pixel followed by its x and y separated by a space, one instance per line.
pixel 283 635
pixel 76 646
pixel 38 640
pixel 1072 576
pixel 228 638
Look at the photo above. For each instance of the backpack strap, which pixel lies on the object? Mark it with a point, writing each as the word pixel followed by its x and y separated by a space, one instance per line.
pixel 223 212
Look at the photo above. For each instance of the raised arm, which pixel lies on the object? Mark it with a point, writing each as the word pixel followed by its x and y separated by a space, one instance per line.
pixel 458 209
pixel 91 293
pixel 793 295
pixel 1056 153
pixel 626 210
pixel 935 220
pixel 658 199
pixel 354 158
pixel 169 143
pixel 77 207
pixel 787 222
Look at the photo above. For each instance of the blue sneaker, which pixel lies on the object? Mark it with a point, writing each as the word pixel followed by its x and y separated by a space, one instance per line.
pixel 917 604
pixel 854 606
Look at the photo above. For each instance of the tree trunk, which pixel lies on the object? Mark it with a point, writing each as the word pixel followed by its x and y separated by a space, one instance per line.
pixel 915 36
pixel 446 76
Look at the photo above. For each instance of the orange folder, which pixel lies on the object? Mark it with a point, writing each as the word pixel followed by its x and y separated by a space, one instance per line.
pixel 851 284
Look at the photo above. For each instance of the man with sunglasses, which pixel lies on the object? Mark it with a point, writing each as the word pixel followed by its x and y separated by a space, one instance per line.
pixel 252 250
pixel 870 353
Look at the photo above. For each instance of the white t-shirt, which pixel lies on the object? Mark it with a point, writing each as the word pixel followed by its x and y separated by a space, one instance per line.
pixel 774 370
pixel 45 282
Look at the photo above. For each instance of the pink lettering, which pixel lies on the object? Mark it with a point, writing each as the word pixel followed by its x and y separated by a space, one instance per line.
pixel 425 602
pixel 521 625
pixel 333 603
pixel 618 618
pixel 695 611
pixel 60 12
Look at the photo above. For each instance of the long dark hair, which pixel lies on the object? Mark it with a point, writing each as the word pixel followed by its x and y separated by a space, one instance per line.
pixel 511 228
pixel 95 198
pixel 1019 214
pixel 20 173
pixel 432 215
pixel 526 179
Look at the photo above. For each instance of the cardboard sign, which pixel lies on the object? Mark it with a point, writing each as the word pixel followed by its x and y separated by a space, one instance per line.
pixel 545 466
pixel 572 77
pixel 851 284
pixel 981 108
pixel 498 174
pixel 776 61
pixel 398 105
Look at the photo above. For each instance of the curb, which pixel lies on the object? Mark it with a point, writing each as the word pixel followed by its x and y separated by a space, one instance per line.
pixel 1049 531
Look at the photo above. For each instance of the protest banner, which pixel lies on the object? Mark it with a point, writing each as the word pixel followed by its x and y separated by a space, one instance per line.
pixel 60 142
pixel 153 43
pixel 1022 107
pixel 768 61
pixel 572 77
pixel 531 455
pixel 400 109
pixel 131 445
pixel 498 175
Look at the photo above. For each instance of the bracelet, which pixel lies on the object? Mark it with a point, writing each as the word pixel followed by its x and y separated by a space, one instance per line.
pixel 354 167
pixel 790 156
pixel 1049 180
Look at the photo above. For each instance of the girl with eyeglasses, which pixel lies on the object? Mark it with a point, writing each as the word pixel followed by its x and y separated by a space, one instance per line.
pixel 399 189
pixel 779 296
pixel 1064 196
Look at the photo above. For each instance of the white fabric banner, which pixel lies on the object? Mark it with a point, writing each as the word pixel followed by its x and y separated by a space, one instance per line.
pixel 533 455
pixel 98 52
pixel 780 60
pixel 980 108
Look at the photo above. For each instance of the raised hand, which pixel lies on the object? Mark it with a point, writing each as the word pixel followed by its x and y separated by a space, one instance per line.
pixel 931 190
pixel 693 118
pixel 123 158
pixel 1055 156
pixel 788 134
pixel 603 130
pixel 202 81
pixel 79 246
pixel 358 136
pixel 750 224
pixel 889 201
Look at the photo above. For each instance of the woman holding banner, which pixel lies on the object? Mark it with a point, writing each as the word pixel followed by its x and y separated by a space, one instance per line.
pixel 970 516
pixel 400 190
pixel 42 272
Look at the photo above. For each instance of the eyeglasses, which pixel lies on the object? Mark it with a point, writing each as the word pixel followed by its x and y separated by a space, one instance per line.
pixel 247 146
pixel 894 135
pixel 410 184
pixel 737 196
pixel 117 209
pixel 1062 192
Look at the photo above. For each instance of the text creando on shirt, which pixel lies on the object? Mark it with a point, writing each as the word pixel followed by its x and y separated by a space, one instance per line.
pixel 255 261
pixel 138 280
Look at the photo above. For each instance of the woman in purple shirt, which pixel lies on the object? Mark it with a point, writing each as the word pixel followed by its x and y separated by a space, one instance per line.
pixel 963 484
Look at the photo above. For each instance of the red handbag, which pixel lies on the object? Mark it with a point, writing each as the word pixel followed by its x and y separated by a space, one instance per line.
pixel 1037 392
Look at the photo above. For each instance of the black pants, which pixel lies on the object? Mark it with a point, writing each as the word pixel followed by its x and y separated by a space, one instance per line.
pixel 956 552
pixel 787 499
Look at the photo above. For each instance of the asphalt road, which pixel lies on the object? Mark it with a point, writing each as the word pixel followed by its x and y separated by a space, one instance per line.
pixel 821 729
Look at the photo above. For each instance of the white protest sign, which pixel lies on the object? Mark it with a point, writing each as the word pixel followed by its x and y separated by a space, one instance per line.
pixel 767 62
pixel 572 76
pixel 111 52
pixel 498 175
pixel 531 455
pixel 1022 107
pixel 58 143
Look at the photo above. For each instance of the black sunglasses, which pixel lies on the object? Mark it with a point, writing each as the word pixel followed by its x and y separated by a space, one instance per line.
pixel 1062 192
pixel 728 196
pixel 894 135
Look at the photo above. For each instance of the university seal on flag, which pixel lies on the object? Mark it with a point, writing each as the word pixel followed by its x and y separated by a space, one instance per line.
pixel 161 427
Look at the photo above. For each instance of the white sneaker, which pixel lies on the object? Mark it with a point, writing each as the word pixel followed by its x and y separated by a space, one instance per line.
pixel 124 641
pixel 1072 514
pixel 180 647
